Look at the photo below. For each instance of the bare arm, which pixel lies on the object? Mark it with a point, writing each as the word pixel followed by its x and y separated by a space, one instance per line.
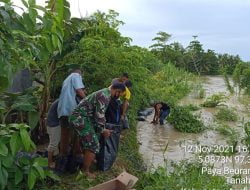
pixel 156 116
pixel 157 113
pixel 81 93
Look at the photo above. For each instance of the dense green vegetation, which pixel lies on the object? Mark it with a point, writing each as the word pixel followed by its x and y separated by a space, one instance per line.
pixel 170 84
pixel 193 58
pixel 98 47
pixel 18 170
pixel 152 80
pixel 22 103
pixel 185 121
pixel 52 44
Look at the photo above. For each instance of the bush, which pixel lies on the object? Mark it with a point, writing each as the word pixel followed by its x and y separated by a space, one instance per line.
pixel 183 120
pixel 170 84
pixel 182 176
pixel 226 114
pixel 19 172
pixel 214 100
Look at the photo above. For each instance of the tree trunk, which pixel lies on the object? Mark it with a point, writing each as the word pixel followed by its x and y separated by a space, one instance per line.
pixel 44 108
pixel 45 98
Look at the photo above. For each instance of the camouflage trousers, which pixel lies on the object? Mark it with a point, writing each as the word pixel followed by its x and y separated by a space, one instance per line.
pixel 84 128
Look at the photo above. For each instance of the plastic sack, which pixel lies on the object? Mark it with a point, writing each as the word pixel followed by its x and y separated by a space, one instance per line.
pixel 113 113
pixel 125 123
pixel 109 148
pixel 141 118
pixel 146 112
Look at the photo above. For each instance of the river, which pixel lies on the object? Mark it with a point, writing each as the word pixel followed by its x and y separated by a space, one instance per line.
pixel 159 143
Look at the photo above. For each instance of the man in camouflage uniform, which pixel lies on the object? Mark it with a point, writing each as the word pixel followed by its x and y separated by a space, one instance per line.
pixel 88 120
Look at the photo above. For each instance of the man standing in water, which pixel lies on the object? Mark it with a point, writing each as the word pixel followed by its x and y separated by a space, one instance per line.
pixel 162 110
pixel 88 120
pixel 71 88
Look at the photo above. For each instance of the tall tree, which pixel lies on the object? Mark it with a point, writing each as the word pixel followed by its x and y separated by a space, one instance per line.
pixel 210 63
pixel 175 54
pixel 160 47
pixel 194 56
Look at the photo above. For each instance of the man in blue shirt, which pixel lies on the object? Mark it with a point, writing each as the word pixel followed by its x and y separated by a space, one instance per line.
pixel 71 88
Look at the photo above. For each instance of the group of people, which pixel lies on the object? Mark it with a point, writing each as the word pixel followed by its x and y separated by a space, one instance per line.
pixel 77 121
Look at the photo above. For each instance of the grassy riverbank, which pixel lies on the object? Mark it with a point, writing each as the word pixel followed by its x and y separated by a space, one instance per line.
pixel 175 176
pixel 129 159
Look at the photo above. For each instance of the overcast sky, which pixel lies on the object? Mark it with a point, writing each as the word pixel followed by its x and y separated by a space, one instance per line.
pixel 222 25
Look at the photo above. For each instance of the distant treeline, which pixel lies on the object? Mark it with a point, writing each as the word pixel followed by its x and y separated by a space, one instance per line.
pixel 193 58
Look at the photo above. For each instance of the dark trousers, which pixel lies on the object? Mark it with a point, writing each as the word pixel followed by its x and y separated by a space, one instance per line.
pixel 163 115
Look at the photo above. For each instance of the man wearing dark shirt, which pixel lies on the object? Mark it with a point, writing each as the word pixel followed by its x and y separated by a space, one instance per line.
pixel 54 131
pixel 162 110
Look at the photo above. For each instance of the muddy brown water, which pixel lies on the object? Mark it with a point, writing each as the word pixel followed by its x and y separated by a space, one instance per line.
pixel 165 142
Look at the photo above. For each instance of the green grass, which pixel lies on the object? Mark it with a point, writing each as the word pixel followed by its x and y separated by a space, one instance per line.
pixel 226 114
pixel 180 176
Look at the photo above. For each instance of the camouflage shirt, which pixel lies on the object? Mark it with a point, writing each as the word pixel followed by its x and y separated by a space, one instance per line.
pixel 93 107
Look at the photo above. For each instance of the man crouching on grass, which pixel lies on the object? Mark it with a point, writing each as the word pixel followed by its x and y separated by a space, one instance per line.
pixel 88 120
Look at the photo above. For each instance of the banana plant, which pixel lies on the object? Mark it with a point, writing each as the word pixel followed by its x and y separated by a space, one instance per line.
pixel 48 36
pixel 15 44
pixel 38 38
pixel 22 105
